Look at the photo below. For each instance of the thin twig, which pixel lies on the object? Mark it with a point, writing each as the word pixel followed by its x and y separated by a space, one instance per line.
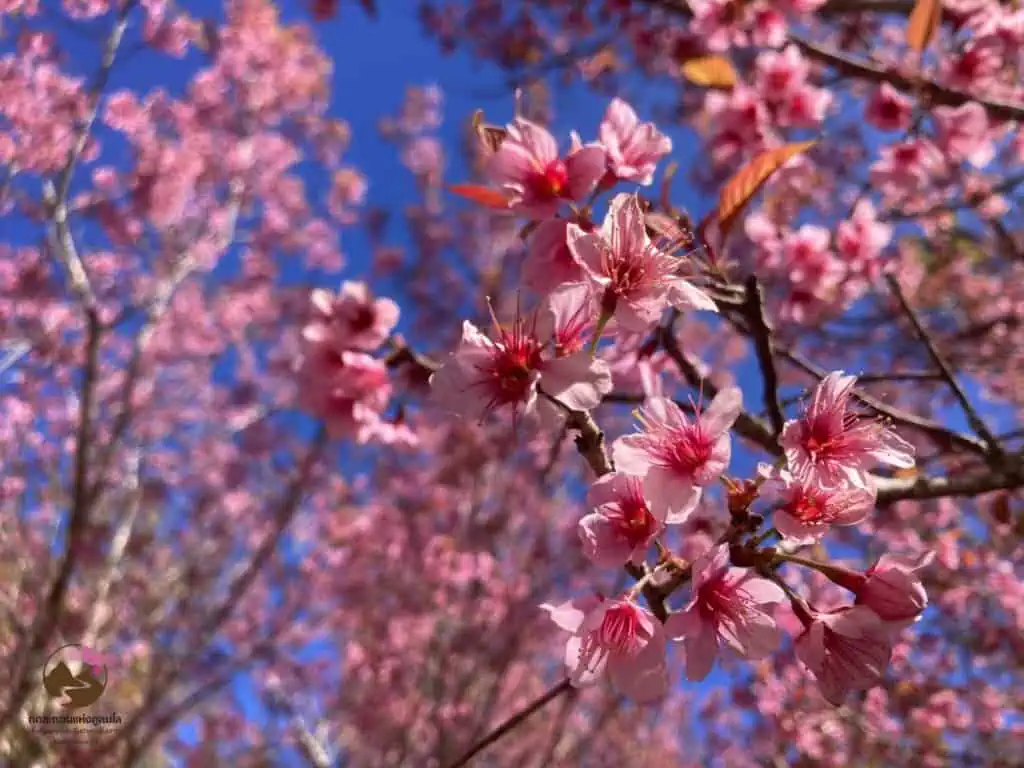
pixel 976 422
pixel 510 723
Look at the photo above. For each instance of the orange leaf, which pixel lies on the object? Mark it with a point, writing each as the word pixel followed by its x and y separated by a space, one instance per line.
pixel 749 179
pixel 710 72
pixel 923 23
pixel 485 196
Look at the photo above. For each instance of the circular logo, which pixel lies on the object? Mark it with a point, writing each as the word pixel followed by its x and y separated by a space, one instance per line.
pixel 75 675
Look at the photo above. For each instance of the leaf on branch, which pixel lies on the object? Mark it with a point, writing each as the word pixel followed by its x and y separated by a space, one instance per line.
pixel 491 135
pixel 738 191
pixel 710 72
pixel 923 23
pixel 485 196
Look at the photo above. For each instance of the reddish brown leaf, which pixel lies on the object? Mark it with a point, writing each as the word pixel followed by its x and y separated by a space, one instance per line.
pixel 485 196
pixel 749 179
pixel 923 23
pixel 710 72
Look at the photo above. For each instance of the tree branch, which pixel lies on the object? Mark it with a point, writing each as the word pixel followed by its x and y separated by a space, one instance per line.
pixel 933 92
pixel 753 310
pixel 976 422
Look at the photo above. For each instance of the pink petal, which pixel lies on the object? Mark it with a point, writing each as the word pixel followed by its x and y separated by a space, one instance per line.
pixel 631 457
pixel 701 650
pixel 672 498
pixel 585 168
pixel 581 675
pixel 723 411
pixel 578 381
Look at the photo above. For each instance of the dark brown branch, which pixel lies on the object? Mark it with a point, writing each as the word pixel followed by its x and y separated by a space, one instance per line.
pixel 976 422
pixel 761 333
pixel 923 487
pixel 512 722
pixel 933 92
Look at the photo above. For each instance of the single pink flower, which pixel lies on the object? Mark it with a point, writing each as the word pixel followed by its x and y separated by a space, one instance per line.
pixel 963 133
pixel 637 280
pixel 528 167
pixel 348 390
pixel 808 509
pixel 846 650
pixel 726 607
pixel 618 637
pixel 352 319
pixel 677 457
pixel 549 263
pixel 889 110
pixel 621 527
pixel 829 446
pixel 483 374
pixel 893 591
pixel 634 148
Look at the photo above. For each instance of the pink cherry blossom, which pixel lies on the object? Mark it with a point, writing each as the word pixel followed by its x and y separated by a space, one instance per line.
pixel 861 239
pixel 906 167
pixel 727 607
pixel 677 457
pixel 893 590
pixel 828 445
pixel 846 650
pixel 484 375
pixel 568 316
pixel 347 389
pixel 352 319
pixel 807 509
pixel 537 180
pixel 634 148
pixel 549 263
pixel 636 279
pixel 618 637
pixel 963 134
pixel 621 527
pixel 889 110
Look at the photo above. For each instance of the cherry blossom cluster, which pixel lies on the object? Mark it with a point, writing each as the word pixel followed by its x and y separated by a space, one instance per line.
pixel 546 368
pixel 342 382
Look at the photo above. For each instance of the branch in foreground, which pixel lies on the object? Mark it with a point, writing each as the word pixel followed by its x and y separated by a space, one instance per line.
pixel 761 333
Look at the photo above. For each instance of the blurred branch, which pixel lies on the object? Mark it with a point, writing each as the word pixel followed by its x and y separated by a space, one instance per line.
pixel 976 422
pixel 934 93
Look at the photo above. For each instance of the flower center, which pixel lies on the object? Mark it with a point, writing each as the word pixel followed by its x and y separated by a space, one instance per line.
pixel 552 182
pixel 636 523
pixel 620 630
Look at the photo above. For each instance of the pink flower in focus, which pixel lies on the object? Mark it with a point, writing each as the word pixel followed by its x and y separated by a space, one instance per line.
pixel 846 650
pixel 893 591
pixel 963 134
pixel 350 320
pixel 568 317
pixel 617 637
pixel 829 446
pixel 483 375
pixel 726 607
pixel 549 263
pixel 528 167
pixel 621 527
pixel 889 110
pixel 677 457
pixel 636 279
pixel 807 508
pixel 634 148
